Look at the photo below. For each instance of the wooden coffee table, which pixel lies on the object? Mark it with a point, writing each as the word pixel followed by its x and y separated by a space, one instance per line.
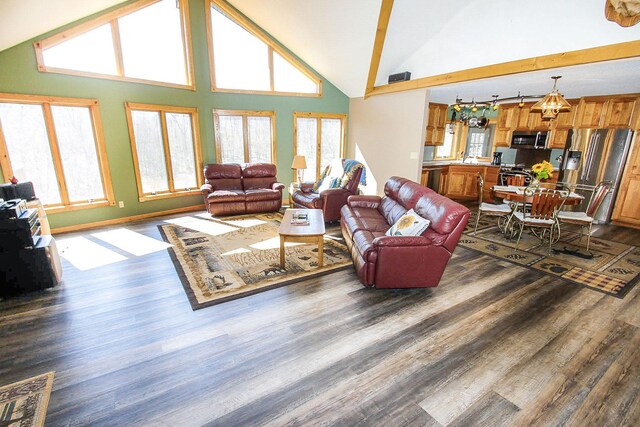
pixel 311 233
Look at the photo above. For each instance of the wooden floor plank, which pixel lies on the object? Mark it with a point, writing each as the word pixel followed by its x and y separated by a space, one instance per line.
pixel 494 344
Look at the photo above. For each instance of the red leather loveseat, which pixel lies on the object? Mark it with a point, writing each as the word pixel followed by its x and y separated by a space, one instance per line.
pixel 234 189
pixel 401 261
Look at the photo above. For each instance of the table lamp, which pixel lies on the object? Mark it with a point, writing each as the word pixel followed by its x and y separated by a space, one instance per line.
pixel 299 164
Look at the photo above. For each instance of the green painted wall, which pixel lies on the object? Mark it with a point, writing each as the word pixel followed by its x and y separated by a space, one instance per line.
pixel 18 74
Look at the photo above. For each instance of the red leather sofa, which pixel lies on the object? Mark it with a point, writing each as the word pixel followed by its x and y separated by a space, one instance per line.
pixel 401 261
pixel 234 189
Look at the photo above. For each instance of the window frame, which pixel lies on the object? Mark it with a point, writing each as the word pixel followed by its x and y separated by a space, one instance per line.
pixel 318 117
pixel 111 18
pixel 228 10
pixel 245 134
pixel 197 148
pixel 98 135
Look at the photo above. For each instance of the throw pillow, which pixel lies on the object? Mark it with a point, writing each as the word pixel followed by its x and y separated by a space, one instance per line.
pixel 409 224
pixel 329 182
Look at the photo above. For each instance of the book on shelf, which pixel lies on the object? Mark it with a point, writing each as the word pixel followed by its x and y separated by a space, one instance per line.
pixel 300 218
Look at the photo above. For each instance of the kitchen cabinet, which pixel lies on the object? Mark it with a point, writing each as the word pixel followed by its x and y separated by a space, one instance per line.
pixel 507 116
pixel 436 124
pixel 460 182
pixel 618 112
pixel 557 138
pixel 530 120
pixel 589 113
pixel 564 119
pixel 502 138
pixel 626 210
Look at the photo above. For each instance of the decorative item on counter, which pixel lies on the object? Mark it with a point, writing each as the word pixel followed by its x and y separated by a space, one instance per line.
pixel 542 170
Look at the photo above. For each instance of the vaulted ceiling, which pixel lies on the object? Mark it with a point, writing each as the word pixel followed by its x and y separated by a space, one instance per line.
pixel 425 37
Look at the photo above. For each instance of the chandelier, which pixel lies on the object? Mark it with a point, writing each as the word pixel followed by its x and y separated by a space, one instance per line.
pixel 552 103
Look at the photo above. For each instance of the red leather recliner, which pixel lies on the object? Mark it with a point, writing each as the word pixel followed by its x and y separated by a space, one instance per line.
pixel 330 200
pixel 234 189
pixel 401 261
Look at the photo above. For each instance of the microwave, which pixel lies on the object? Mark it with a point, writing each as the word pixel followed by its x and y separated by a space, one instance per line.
pixel 530 140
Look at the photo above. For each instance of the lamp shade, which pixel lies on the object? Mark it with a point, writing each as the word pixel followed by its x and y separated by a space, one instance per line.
pixel 552 103
pixel 299 162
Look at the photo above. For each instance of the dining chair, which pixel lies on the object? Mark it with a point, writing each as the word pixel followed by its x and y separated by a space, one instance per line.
pixel 517 178
pixel 545 205
pixel 585 219
pixel 490 209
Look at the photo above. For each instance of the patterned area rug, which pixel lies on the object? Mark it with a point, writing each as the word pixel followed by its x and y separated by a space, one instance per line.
pixel 25 403
pixel 610 267
pixel 219 259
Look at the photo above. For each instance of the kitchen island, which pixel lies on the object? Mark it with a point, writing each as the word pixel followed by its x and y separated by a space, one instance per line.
pixel 458 180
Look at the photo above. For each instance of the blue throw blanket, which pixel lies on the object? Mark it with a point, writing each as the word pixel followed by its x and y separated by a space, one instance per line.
pixel 350 166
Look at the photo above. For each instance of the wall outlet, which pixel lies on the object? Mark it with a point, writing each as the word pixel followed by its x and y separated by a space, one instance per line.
pixel 413 155
pixel 121 204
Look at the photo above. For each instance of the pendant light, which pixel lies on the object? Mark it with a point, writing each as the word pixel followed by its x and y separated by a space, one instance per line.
pixel 552 103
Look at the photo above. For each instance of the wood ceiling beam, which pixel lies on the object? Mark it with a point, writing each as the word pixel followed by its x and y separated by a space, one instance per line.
pixel 576 57
pixel 381 34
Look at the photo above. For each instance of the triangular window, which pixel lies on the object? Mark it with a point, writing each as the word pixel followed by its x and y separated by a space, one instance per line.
pixel 245 59
pixel 141 42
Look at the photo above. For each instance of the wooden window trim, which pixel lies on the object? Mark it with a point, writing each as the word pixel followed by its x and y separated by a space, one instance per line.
pixel 244 114
pixel 195 132
pixel 253 29
pixel 98 136
pixel 112 18
pixel 318 117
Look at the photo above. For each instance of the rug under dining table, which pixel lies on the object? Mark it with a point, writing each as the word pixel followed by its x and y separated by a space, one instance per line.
pixel 609 267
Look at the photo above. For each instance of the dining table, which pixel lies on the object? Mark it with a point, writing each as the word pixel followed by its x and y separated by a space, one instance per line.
pixel 515 196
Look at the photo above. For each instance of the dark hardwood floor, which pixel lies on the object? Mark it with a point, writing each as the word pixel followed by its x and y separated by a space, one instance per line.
pixel 494 344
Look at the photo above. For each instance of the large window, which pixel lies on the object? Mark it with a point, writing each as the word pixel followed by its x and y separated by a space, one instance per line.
pixel 244 59
pixel 145 41
pixel 320 138
pixel 166 150
pixel 447 150
pixel 57 144
pixel 245 136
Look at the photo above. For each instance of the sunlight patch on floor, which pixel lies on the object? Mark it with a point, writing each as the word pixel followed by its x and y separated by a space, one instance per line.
pixel 84 254
pixel 209 227
pixel 132 242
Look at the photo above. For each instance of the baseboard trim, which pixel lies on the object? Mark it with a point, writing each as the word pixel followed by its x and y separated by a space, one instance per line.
pixel 114 221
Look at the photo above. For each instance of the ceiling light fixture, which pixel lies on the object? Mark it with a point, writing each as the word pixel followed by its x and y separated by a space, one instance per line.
pixel 552 103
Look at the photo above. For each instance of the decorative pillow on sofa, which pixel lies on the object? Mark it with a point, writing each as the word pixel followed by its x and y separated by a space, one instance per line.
pixel 409 224
pixel 329 182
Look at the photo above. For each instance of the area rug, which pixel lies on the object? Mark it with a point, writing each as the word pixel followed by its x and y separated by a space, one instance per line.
pixel 25 403
pixel 219 259
pixel 609 267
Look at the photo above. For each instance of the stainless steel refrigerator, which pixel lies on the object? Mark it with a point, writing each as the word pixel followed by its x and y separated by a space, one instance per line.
pixel 603 156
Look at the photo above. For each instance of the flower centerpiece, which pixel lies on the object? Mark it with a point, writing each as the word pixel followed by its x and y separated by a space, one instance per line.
pixel 542 170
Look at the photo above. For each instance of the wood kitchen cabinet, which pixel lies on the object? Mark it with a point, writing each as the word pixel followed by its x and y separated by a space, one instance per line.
pixel 589 113
pixel 626 210
pixel 436 124
pixel 460 182
pixel 561 125
pixel 502 138
pixel 618 112
pixel 507 116
pixel 557 138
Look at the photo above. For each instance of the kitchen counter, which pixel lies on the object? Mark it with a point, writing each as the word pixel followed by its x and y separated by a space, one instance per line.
pixel 436 163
